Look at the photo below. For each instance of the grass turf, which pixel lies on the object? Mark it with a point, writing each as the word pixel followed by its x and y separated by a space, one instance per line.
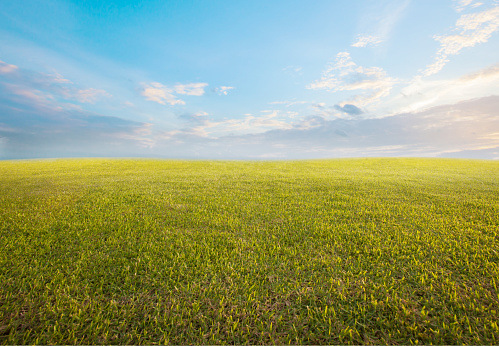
pixel 362 251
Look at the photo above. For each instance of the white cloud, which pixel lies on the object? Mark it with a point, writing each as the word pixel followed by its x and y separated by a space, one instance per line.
pixel 224 90
pixel 465 129
pixel 472 29
pixel 368 40
pixel 159 93
pixel 346 75
pixel 249 124
pixel 162 94
pixel 421 94
pixel 201 126
pixel 461 5
pixel 486 73
pixel 58 78
pixel 288 103
pixel 194 89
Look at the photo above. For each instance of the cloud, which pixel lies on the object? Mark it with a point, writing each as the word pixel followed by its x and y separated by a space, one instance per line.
pixel 224 90
pixel 349 109
pixel 159 93
pixel 346 75
pixel 326 112
pixel 201 126
pixel 465 129
pixel 379 20
pixel 193 89
pixel 42 115
pixel 46 87
pixel 293 70
pixel 310 122
pixel 141 134
pixel 288 103
pixel 470 125
pixel 470 30
pixel 90 95
pixel 7 68
pixel 32 126
pixel 461 5
pixel 489 72
pixel 199 117
pixel 421 94
pixel 366 40
pixel 162 94
pixel 248 124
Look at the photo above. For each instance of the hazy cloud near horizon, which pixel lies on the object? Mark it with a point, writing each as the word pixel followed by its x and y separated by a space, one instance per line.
pixel 468 128
pixel 461 130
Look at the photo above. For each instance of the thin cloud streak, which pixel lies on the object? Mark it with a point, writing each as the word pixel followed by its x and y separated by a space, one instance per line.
pixel 380 19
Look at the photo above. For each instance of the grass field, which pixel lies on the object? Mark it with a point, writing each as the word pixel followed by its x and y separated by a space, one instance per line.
pixel 362 251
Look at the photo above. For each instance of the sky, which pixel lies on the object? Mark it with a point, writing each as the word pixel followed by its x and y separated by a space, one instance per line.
pixel 250 80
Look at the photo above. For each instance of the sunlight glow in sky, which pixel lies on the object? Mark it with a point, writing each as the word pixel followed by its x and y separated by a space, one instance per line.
pixel 280 79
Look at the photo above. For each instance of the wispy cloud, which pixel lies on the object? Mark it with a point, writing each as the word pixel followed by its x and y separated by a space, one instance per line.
pixel 366 40
pixel 193 89
pixel 269 120
pixel 200 125
pixel 44 87
pixel 421 93
pixel 142 134
pixel 159 93
pixel 90 95
pixel 470 30
pixel 288 103
pixel 162 94
pixel 293 70
pixel 7 68
pixel 346 75
pixel 43 115
pixel 224 90
pixel 468 128
pixel 33 125
pixel 379 20
pixel 461 5
pixel 486 73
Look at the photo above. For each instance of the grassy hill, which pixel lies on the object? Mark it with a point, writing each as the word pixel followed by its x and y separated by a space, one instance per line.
pixel 363 251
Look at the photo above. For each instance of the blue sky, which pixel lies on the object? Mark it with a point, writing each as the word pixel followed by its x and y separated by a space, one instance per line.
pixel 279 79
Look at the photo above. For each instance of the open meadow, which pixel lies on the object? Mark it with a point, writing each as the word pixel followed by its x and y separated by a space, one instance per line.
pixel 346 251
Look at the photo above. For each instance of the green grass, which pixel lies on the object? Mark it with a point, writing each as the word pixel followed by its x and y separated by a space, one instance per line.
pixel 360 251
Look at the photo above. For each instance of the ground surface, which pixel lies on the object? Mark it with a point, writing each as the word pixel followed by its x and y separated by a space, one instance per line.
pixel 360 251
